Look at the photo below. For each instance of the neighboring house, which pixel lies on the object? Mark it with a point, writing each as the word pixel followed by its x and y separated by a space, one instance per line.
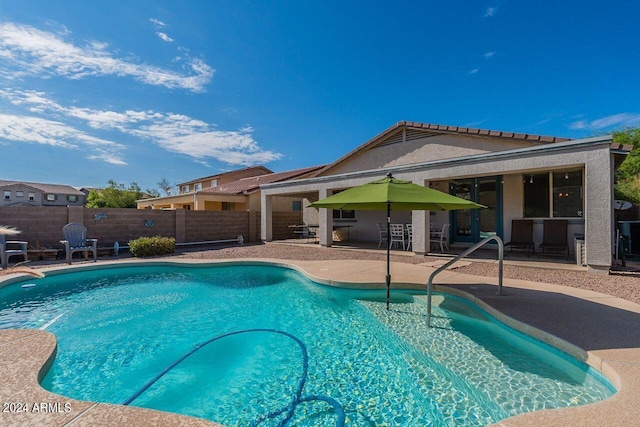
pixel 16 193
pixel 231 191
pixel 516 175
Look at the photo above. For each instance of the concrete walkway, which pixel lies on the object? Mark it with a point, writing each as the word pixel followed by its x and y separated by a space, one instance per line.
pixel 602 330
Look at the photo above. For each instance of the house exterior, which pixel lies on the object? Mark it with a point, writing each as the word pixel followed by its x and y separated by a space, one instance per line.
pixel 17 193
pixel 515 175
pixel 232 191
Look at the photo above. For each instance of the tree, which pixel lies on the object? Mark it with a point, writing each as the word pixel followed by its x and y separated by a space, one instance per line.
pixel 152 192
pixel 628 174
pixel 115 196
pixel 165 186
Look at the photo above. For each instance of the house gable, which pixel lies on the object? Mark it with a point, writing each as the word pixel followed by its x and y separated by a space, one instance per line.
pixel 409 143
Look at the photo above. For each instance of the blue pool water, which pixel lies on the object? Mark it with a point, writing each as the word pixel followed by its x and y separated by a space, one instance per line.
pixel 120 327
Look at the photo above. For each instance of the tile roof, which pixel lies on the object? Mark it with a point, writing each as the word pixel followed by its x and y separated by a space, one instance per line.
pixel 45 188
pixel 475 131
pixel 249 184
pixel 236 171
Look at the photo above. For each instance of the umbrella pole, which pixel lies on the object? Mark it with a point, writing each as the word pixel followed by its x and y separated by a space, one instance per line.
pixel 388 254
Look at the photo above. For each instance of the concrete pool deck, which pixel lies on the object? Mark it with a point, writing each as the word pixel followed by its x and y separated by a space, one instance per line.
pixel 600 329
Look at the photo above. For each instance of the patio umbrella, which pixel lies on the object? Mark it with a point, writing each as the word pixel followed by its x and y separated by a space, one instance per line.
pixel 389 194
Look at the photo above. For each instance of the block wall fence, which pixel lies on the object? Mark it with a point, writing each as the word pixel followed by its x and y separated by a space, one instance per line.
pixel 43 225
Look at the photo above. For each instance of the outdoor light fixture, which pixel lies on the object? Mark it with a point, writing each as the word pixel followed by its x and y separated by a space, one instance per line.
pixel 531 180
pixel 566 175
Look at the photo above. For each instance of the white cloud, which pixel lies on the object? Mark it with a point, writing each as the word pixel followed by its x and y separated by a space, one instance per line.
pixel 621 119
pixel 474 71
pixel 25 50
pixel 176 133
pixel 491 11
pixel 37 130
pixel 164 37
pixel 157 22
pixel 488 55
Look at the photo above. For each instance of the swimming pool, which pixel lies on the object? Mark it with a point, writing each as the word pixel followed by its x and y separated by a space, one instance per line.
pixel 118 328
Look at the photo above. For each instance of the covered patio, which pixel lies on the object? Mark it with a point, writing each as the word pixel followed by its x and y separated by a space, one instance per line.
pixel 568 180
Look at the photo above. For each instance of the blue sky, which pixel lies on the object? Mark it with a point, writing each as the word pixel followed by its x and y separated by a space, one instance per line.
pixel 144 90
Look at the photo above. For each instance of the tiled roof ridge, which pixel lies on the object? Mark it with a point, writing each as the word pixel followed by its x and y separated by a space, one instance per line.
pixel 251 183
pixel 478 131
pixel 248 168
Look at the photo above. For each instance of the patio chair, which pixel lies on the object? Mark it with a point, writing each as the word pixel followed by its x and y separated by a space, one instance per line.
pixel 75 240
pixel 396 232
pixel 521 235
pixel 554 236
pixel 441 237
pixel 382 233
pixel 409 228
pixel 9 248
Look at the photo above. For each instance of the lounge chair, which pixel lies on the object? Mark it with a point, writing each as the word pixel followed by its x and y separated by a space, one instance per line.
pixel 521 235
pixel 9 248
pixel 554 236
pixel 75 240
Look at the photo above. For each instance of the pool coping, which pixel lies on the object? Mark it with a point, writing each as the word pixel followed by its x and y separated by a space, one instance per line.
pixel 26 355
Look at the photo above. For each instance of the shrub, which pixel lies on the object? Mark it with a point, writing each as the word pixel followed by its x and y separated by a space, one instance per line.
pixel 152 246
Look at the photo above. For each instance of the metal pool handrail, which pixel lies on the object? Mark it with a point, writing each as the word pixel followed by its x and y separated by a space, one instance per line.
pixel 287 410
pixel 462 255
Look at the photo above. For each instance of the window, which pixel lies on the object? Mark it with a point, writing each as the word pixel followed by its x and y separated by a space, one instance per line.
pixel 296 205
pixel 51 197
pixel 536 196
pixel 7 194
pixel 19 193
pixel 197 187
pixel 184 189
pixel 567 194
pixel 32 196
pixel 566 201
pixel 344 214
pixel 72 198
pixel 214 182
pixel 228 206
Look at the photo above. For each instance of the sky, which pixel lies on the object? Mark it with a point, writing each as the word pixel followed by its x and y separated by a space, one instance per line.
pixel 141 91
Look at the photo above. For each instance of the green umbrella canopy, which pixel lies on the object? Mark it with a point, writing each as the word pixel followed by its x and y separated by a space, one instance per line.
pixel 389 194
pixel 398 194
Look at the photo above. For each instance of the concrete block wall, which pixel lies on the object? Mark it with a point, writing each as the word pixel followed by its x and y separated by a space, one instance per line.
pixel 122 225
pixel 39 225
pixel 280 222
pixel 43 224
pixel 216 225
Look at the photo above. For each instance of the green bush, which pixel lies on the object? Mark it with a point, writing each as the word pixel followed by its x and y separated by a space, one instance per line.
pixel 152 246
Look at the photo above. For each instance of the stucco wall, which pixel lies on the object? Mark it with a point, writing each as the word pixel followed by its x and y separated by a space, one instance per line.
pixel 423 150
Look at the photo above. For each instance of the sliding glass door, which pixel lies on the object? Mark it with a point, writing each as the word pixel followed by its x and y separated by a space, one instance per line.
pixel 473 225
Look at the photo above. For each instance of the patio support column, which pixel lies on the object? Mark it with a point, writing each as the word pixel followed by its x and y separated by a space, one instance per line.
pixel 266 215
pixel 420 224
pixel 325 220
pixel 598 205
